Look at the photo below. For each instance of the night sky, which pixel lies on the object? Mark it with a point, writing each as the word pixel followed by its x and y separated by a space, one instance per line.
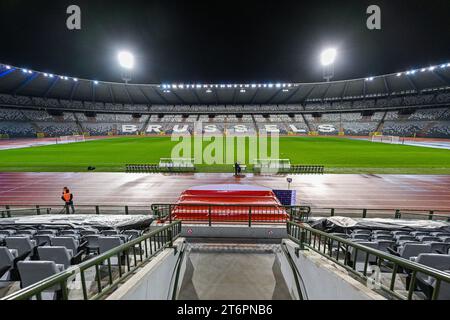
pixel 224 41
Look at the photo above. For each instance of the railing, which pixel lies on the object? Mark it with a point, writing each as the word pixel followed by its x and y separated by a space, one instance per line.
pixel 8 212
pixel 345 253
pixel 24 210
pixel 395 213
pixel 229 213
pixel 98 276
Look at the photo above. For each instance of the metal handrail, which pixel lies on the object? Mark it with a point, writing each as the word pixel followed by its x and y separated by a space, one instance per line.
pixel 145 247
pixel 322 243
pixel 6 213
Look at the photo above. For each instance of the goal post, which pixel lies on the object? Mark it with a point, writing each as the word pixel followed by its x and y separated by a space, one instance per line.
pixel 271 165
pixel 386 139
pixel 71 139
pixel 180 164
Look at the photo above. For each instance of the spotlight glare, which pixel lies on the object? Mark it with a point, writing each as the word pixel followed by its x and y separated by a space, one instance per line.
pixel 8 67
pixel 95 82
pixel 328 56
pixel 126 59
pixel 399 74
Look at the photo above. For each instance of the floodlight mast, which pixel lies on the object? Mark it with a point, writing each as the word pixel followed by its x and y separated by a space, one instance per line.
pixel 327 60
pixel 126 61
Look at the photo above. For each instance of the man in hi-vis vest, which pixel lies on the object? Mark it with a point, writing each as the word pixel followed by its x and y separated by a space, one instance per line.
pixel 67 197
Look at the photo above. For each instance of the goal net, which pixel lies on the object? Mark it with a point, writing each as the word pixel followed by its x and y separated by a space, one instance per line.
pixel 70 139
pixel 177 163
pixel 386 139
pixel 271 165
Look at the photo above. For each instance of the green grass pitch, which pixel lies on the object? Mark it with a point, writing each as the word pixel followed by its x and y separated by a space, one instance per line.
pixel 338 155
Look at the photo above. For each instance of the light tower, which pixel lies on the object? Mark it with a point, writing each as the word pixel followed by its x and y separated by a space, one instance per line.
pixel 327 60
pixel 126 61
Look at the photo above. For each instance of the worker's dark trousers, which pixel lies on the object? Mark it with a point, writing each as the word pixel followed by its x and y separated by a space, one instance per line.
pixel 69 205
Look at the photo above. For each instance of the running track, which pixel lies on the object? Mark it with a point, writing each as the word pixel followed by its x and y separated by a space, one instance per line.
pixel 368 191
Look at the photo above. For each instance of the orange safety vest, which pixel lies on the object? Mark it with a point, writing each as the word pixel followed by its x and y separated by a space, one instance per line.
pixel 66 196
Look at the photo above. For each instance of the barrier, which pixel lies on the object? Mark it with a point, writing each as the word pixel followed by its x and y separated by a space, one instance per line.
pixel 307 169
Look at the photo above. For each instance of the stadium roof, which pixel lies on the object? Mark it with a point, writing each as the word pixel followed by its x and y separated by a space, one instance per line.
pixel 20 81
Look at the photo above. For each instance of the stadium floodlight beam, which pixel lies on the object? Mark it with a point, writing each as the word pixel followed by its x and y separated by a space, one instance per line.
pixel 126 61
pixel 327 58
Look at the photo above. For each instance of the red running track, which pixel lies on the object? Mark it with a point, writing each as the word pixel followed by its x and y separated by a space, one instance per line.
pixel 345 190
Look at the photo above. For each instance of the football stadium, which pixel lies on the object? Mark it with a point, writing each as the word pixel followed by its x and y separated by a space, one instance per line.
pixel 119 189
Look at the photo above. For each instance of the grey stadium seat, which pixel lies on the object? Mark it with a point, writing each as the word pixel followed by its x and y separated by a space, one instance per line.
pixel 26 232
pixel 380 232
pixel 133 234
pixel 440 234
pixel 68 232
pixel 384 244
pixel 108 243
pixel 420 233
pixel 35 271
pixel 426 283
pixel 92 243
pixel 21 244
pixel 88 232
pixel 110 232
pixel 361 231
pixel 403 237
pixel 400 232
pixel 360 259
pixel 7 232
pixel 383 237
pixel 42 239
pixel 47 232
pixel 7 257
pixel 413 249
pixel 360 236
pixel 59 255
pixel 428 239
pixel 68 242
pixel 442 247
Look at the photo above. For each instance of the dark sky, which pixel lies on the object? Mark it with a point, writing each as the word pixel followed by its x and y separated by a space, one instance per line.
pixel 224 41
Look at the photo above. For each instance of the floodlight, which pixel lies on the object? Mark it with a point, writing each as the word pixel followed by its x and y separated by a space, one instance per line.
pixel 95 82
pixel 75 79
pixel 8 67
pixel 126 59
pixel 431 68
pixel 328 56
pixel 45 75
pixel 399 74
